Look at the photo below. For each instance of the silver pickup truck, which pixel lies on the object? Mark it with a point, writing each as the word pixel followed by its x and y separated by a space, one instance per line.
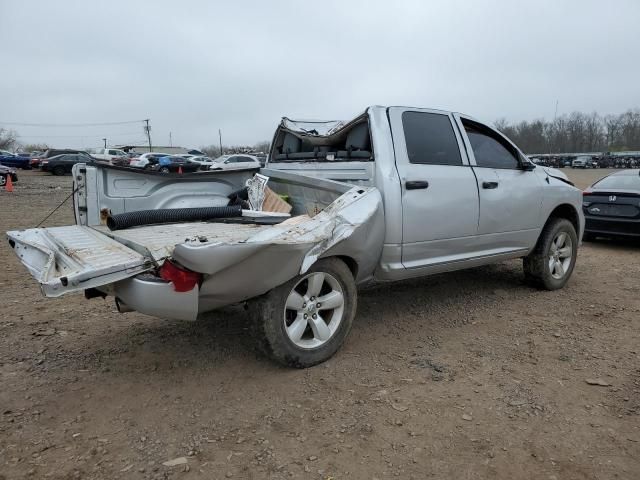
pixel 395 193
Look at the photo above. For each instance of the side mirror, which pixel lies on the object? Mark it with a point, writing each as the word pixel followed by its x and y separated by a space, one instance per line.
pixel 527 166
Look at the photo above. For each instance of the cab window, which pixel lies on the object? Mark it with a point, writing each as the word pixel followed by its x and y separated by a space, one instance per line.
pixel 430 139
pixel 490 150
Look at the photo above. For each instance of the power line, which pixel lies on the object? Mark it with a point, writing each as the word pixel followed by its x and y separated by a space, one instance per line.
pixel 19 124
pixel 129 134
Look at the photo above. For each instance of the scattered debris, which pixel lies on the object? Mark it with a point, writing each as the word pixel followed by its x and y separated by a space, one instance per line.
pixel 467 417
pixel 46 332
pixel 399 407
pixel 598 382
pixel 175 462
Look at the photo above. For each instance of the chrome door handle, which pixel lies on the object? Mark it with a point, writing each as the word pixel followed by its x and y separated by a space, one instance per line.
pixel 489 185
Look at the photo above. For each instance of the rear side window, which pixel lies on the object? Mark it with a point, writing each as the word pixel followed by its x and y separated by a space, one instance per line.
pixel 489 149
pixel 430 139
pixel 620 182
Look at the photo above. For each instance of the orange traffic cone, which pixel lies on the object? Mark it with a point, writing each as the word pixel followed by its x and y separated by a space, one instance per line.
pixel 9 185
pixel 179 170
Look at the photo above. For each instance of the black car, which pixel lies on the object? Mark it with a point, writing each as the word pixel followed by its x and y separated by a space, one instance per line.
pixel 611 206
pixel 5 172
pixel 61 164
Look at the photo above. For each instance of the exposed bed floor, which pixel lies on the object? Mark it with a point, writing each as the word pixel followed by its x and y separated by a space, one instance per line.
pixel 160 240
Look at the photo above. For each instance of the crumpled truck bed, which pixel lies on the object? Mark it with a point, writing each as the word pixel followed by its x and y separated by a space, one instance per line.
pixel 238 261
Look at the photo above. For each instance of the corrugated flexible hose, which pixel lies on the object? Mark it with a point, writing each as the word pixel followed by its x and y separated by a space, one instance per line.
pixel 121 221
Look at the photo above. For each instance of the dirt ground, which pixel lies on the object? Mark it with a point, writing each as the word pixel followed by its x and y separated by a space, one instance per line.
pixel 459 376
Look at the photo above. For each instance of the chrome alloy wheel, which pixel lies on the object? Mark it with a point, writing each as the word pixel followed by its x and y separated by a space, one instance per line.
pixel 560 255
pixel 314 310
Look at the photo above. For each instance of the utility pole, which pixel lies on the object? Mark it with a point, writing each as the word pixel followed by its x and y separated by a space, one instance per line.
pixel 147 130
pixel 105 142
pixel 220 135
pixel 170 142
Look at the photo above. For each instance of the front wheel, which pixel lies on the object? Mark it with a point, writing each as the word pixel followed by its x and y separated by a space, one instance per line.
pixel 551 263
pixel 59 170
pixel 305 321
pixel 164 170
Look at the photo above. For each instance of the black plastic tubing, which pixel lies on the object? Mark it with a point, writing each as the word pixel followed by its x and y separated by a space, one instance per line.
pixel 121 221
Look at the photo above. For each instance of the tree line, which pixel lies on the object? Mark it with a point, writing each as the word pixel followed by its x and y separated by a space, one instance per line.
pixel 576 132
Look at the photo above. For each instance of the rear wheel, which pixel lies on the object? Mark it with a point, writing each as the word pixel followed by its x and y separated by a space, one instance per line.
pixel 58 170
pixel 552 261
pixel 164 170
pixel 305 321
pixel 3 180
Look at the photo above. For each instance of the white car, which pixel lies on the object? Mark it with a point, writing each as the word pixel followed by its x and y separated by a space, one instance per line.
pixel 583 161
pixel 112 155
pixel 144 160
pixel 239 161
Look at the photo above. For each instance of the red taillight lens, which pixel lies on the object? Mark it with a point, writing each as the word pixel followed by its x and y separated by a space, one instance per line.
pixel 584 192
pixel 183 280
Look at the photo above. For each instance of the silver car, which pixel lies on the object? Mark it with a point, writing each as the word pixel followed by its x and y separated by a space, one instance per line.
pixel 237 161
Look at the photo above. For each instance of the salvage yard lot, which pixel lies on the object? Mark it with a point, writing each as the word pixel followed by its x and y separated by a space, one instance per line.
pixel 465 375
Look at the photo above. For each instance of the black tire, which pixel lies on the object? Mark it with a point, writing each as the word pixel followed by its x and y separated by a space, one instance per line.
pixel 536 264
pixel 3 180
pixel 164 170
pixel 269 317
pixel 58 170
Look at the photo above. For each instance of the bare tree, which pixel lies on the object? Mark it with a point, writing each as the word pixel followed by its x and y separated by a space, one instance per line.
pixel 7 139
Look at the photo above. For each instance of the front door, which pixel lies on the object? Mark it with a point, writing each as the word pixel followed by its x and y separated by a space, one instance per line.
pixel 510 197
pixel 439 192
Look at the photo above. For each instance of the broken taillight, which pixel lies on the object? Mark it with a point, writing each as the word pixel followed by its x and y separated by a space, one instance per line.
pixel 183 280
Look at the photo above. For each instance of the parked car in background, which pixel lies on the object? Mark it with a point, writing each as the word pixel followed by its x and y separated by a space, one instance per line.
pixel 583 161
pixel 112 155
pixel 235 162
pixel 611 206
pixel 173 164
pixel 204 163
pixel 5 173
pixel 9 159
pixel 61 164
pixel 36 159
pixel 147 160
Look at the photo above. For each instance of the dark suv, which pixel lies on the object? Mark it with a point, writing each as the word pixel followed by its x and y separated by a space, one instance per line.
pixel 61 164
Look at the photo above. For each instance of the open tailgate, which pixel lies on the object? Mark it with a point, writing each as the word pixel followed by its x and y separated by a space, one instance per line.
pixel 73 258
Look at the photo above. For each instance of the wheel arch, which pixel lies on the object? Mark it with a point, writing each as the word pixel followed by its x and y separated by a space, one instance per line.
pixel 350 262
pixel 568 211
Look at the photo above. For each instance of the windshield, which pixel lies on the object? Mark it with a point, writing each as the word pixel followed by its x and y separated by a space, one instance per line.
pixel 619 182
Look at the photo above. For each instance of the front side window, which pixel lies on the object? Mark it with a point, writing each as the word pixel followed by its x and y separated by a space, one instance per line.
pixel 490 150
pixel 430 139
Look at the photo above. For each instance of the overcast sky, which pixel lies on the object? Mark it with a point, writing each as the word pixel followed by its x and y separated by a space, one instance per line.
pixel 195 66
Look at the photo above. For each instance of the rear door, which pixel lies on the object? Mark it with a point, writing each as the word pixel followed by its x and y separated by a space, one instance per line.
pixel 510 197
pixel 439 191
